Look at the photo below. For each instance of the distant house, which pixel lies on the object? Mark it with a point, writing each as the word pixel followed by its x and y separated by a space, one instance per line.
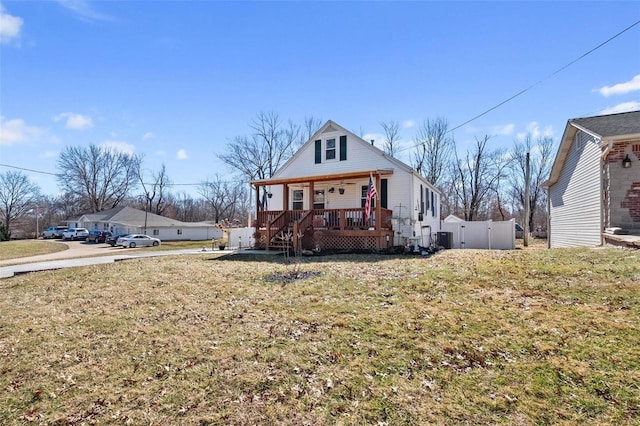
pixel 127 220
pixel 595 180
pixel 319 197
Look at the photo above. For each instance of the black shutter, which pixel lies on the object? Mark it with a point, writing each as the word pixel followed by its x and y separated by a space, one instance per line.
pixel 433 204
pixel 343 148
pixel 383 193
pixel 318 151
pixel 426 193
pixel 421 199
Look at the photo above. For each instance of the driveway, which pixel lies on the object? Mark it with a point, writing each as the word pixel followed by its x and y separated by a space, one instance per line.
pixel 75 249
pixel 81 253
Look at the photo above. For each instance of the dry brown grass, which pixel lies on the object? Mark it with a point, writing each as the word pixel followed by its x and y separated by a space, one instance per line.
pixel 465 337
pixel 27 248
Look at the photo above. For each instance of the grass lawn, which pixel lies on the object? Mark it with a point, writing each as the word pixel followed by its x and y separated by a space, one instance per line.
pixel 26 248
pixel 524 337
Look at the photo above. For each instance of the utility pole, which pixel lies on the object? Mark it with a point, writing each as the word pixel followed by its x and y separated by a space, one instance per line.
pixel 527 179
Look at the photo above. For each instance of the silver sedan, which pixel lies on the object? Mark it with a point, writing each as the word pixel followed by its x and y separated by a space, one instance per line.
pixel 137 240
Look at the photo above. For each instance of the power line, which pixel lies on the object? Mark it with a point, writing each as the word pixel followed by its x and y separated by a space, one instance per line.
pixel 553 74
pixel 167 184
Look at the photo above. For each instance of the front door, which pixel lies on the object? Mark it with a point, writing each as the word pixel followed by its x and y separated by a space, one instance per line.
pixel 318 199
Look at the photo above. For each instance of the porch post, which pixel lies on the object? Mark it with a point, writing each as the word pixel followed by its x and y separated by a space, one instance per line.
pixel 378 204
pixel 311 195
pixel 285 197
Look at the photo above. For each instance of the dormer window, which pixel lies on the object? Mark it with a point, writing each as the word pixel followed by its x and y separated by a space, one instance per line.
pixel 331 149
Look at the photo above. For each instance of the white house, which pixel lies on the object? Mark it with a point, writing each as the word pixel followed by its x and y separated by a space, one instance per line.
pixel 595 180
pixel 319 197
pixel 127 220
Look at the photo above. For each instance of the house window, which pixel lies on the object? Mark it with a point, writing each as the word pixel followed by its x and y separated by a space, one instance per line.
pixel 297 199
pixel 318 199
pixel 331 149
pixel 156 232
pixel 179 231
pixel 363 197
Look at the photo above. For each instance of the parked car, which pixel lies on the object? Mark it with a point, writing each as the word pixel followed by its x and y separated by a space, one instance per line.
pixel 53 232
pixel 75 234
pixel 98 236
pixel 112 239
pixel 137 240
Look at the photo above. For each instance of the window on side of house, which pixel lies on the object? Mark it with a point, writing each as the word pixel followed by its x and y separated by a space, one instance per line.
pixel 156 232
pixel 297 199
pixel 331 149
pixel 179 231
pixel 363 197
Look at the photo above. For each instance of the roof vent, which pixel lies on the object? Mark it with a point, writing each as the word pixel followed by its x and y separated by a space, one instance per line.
pixel 372 141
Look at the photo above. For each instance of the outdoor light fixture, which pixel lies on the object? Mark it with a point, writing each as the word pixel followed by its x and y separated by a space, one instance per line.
pixel 626 163
pixel 332 190
pixel 341 191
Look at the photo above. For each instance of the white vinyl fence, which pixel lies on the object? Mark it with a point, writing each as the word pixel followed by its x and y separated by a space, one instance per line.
pixel 487 234
pixel 241 237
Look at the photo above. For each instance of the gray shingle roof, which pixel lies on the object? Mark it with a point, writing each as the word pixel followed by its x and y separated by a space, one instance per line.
pixel 135 217
pixel 626 123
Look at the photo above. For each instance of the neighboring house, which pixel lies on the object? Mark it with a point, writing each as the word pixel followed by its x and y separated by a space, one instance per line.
pixel 318 197
pixel 127 220
pixel 595 180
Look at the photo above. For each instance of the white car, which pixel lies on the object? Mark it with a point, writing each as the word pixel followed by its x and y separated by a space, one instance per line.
pixel 137 240
pixel 53 232
pixel 75 234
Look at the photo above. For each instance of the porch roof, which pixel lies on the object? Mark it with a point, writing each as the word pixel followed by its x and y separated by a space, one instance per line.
pixel 322 178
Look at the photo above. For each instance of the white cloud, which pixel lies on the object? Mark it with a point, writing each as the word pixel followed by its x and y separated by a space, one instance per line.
pixel 119 146
pixel 534 129
pixel 75 121
pixel 10 26
pixel 49 154
pixel 147 136
pixel 502 129
pixel 16 131
pixel 621 88
pixel 408 124
pixel 182 155
pixel 623 107
pixel 84 10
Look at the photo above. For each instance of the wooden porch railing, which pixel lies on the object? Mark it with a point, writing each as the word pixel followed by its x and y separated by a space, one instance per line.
pixel 275 221
pixel 304 222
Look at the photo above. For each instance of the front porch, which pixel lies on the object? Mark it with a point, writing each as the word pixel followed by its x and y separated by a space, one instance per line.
pixel 306 222
pixel 324 229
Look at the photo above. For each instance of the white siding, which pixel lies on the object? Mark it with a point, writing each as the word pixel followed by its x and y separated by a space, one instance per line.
pixel 359 157
pixel 575 200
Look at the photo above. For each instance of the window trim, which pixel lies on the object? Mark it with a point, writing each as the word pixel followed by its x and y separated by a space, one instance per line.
pixel 327 149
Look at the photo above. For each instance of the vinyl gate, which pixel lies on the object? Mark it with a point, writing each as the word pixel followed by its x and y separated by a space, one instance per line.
pixel 488 234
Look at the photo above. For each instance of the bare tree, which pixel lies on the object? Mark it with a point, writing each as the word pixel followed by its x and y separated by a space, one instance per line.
pixel 155 192
pixel 541 159
pixel 102 177
pixel 433 150
pixel 185 208
pixel 259 156
pixel 17 197
pixel 222 197
pixel 391 137
pixel 310 126
pixel 476 176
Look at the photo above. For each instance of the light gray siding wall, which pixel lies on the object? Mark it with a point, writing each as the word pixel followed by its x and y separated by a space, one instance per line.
pixel 575 200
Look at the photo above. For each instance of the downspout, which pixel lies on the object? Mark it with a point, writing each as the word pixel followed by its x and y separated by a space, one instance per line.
pixel 605 201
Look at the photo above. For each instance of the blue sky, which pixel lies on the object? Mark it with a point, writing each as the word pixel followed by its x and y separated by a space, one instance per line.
pixel 176 80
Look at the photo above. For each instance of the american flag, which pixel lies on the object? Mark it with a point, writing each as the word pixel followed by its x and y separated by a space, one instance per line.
pixel 371 194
